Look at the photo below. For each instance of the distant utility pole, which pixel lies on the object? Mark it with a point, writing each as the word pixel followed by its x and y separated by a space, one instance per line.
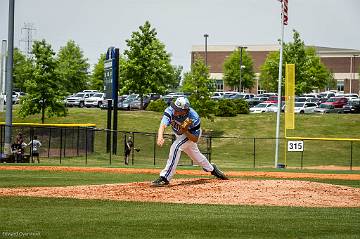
pixel 27 37
pixel 2 73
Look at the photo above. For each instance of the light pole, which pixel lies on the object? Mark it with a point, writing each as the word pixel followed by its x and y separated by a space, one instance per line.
pixel 241 65
pixel 353 71
pixel 206 36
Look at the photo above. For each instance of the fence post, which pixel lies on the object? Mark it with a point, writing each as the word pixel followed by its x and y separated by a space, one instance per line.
pixel 32 143
pixel 351 154
pixel 108 143
pixel 208 147
pixel 254 152
pixel 65 142
pixel 78 141
pixel 132 152
pixel 49 142
pixel 86 144
pixel 2 140
pixel 154 148
pixel 60 143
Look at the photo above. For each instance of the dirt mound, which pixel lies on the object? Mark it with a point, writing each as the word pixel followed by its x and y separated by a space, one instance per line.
pixel 282 175
pixel 209 191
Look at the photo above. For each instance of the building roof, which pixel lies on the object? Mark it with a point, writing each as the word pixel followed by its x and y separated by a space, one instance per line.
pixel 320 50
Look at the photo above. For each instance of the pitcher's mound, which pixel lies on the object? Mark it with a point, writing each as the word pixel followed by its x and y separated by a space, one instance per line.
pixel 209 191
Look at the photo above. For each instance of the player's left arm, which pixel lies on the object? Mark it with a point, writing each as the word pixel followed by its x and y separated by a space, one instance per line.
pixel 192 130
pixel 191 136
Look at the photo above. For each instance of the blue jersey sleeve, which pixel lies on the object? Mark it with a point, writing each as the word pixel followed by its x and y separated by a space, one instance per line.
pixel 195 126
pixel 166 119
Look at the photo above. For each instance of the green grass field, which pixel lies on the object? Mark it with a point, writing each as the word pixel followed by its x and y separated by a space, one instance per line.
pixel 72 218
pixel 28 217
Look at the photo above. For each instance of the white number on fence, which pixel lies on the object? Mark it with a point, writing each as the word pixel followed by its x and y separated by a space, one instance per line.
pixel 296 146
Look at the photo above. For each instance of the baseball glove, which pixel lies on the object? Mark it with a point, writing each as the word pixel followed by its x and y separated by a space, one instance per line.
pixel 185 125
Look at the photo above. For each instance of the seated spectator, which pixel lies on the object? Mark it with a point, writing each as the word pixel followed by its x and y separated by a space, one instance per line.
pixel 18 148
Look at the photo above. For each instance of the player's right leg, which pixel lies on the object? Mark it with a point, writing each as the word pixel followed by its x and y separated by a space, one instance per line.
pixel 174 155
pixel 194 153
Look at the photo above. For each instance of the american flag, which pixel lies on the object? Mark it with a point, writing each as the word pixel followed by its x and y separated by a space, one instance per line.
pixel 285 10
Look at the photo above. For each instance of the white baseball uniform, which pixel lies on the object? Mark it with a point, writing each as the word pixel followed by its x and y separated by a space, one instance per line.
pixel 182 143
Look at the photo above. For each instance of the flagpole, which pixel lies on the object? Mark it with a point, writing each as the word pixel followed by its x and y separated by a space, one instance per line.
pixel 279 88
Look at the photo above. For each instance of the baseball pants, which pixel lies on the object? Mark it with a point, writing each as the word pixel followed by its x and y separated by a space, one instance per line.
pixel 182 143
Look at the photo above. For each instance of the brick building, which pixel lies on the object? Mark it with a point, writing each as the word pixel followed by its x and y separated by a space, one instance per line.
pixel 343 63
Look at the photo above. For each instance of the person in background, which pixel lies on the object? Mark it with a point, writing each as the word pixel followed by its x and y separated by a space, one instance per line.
pixel 129 145
pixel 18 148
pixel 36 144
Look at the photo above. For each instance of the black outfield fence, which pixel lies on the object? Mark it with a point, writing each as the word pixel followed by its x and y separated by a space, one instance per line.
pixel 87 145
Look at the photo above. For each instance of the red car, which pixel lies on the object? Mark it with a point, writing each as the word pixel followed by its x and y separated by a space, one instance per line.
pixel 337 102
pixel 274 99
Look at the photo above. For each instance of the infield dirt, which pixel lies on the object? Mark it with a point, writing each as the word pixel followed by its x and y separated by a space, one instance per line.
pixel 236 191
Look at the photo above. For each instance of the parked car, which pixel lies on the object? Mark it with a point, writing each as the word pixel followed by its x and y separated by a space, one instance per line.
pixel 352 106
pixel 274 107
pixel 326 108
pixel 217 95
pixel 78 99
pixel 229 94
pixel 349 96
pixel 305 107
pixel 154 96
pixel 260 98
pixel 313 95
pixel 268 94
pixel 95 101
pixel 104 105
pixel 125 105
pixel 171 97
pixel 327 94
pixel 136 104
pixel 337 102
pixel 15 98
pixel 253 102
pixel 303 99
pixel 274 99
pixel 260 108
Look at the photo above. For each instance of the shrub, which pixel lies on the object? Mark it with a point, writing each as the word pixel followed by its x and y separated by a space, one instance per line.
pixel 158 105
pixel 242 106
pixel 226 108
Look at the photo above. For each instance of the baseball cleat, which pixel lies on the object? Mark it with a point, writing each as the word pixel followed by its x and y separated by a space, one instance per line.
pixel 160 182
pixel 217 173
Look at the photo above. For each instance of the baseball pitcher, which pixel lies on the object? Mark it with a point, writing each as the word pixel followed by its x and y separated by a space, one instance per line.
pixel 185 123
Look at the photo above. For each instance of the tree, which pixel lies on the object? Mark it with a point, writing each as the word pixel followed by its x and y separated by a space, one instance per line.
pixel 97 77
pixel 72 67
pixel 44 93
pixel 22 69
pixel 232 70
pixel 175 82
pixel 197 82
pixel 146 67
pixel 310 73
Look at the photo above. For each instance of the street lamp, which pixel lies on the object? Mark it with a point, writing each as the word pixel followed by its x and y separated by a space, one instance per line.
pixel 241 65
pixel 353 70
pixel 206 36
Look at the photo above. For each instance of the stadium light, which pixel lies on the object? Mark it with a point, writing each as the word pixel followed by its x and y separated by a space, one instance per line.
pixel 241 65
pixel 206 36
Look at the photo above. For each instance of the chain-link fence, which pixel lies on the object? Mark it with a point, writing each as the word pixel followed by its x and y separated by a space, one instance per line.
pixel 78 145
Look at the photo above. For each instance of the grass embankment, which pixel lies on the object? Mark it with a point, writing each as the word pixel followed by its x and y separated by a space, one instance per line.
pixel 240 137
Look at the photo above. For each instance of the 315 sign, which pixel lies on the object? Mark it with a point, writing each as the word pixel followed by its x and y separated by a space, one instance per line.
pixel 296 146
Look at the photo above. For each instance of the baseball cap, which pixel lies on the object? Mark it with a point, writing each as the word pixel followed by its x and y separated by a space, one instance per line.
pixel 180 104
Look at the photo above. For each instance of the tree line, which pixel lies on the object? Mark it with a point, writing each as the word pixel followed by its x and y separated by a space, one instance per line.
pixel 145 67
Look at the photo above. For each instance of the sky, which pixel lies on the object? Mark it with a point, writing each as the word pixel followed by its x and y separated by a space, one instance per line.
pixel 96 25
